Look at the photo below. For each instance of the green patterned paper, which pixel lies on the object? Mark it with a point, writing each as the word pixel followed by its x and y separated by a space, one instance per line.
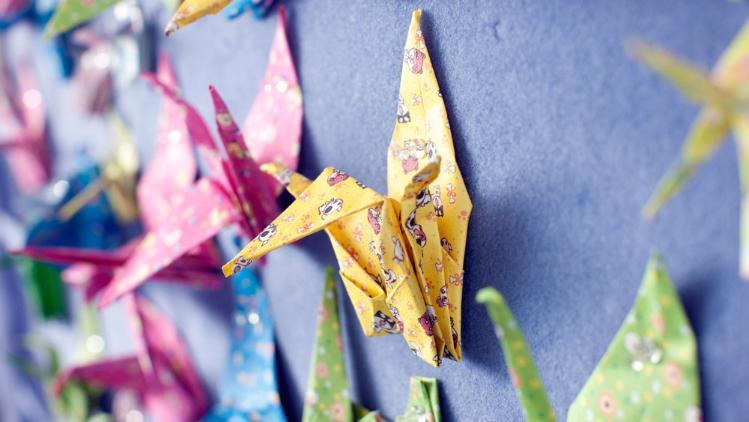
pixel 520 363
pixel 43 283
pixel 423 402
pixel 327 397
pixel 724 95
pixel 70 13
pixel 649 372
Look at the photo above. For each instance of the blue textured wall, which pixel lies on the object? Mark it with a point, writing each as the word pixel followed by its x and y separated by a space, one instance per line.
pixel 561 138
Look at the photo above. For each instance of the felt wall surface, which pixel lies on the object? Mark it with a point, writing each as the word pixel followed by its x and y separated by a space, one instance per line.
pixel 561 137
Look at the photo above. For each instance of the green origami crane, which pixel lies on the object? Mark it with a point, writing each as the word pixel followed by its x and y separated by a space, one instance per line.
pixel 327 397
pixel 723 94
pixel 71 13
pixel 649 372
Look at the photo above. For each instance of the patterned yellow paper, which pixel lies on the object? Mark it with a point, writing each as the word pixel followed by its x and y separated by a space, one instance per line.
pixel 191 10
pixel 400 255
pixel 724 95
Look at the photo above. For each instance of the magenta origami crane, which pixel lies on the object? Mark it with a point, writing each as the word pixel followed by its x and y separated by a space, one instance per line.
pixel 160 372
pixel 165 185
pixel 23 134
pixel 235 190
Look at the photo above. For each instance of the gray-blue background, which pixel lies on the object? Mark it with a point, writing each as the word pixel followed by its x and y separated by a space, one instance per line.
pixel 561 138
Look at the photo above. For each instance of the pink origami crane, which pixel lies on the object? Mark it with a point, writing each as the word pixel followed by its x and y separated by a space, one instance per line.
pixel 23 134
pixel 166 185
pixel 160 373
pixel 236 190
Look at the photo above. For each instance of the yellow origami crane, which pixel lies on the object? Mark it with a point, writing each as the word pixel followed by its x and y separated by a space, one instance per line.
pixel 400 255
pixel 723 95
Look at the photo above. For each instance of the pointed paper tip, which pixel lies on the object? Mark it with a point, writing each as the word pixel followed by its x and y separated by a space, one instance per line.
pixel 488 295
pixel 282 13
pixel 105 299
pixel 227 269
pixel 219 105
pixel 635 47
pixel 655 257
pixel 649 211
pixel 49 30
pixel 165 70
pixel 171 28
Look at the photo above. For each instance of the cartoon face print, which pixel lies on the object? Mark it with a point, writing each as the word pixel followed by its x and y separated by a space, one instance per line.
pixel 336 177
pixel 374 217
pixel 390 278
pixel 398 255
pixel 267 234
pixel 415 229
pixel 378 252
pixel 428 320
pixel 384 323
pixel 456 279
pixel 439 210
pixel 446 245
pixel 423 198
pixel 329 207
pixel 451 194
pixel 397 316
pixel 431 151
pixel 442 298
pixel 241 263
pixel 409 154
pixel 415 60
pixel 404 116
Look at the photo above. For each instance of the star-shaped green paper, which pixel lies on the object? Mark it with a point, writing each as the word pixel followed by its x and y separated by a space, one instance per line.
pixel 723 94
pixel 70 13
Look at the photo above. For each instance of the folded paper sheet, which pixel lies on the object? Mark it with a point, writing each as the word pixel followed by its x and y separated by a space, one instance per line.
pixel 192 10
pixel 401 255
pixel 723 95
pixel 648 373
pixel 160 373
pixel 162 188
pixel 23 128
pixel 75 401
pixel 235 191
pixel 117 178
pixel 70 13
pixel 94 226
pixel 249 388
pixel 518 358
pixel 327 397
